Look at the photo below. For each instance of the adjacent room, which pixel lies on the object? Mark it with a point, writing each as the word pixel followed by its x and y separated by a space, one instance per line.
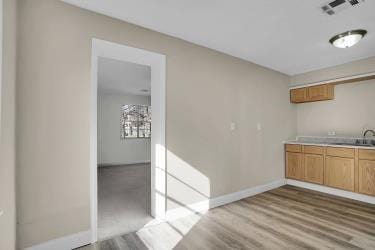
pixel 124 147
pixel 130 124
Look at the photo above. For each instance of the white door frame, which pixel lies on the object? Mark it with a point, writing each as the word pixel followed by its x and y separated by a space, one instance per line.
pixel 101 48
pixel 1 60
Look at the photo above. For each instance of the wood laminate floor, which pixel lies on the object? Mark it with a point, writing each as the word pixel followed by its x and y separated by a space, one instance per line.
pixel 283 218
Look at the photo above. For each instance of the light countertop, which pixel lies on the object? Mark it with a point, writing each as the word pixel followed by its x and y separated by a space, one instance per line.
pixel 327 142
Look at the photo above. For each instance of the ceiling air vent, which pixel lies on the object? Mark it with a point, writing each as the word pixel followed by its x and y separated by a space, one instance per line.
pixel 336 6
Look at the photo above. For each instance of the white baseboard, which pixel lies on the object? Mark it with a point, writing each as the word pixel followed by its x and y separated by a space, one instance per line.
pixel 333 191
pixel 65 243
pixel 205 205
pixel 100 165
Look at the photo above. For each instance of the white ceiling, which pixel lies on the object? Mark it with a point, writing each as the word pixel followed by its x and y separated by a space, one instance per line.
pixel 290 36
pixel 123 77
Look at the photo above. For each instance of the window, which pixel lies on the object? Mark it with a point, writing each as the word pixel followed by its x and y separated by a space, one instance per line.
pixel 135 121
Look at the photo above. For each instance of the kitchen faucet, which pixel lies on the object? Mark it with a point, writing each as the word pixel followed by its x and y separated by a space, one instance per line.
pixel 368 130
pixel 365 133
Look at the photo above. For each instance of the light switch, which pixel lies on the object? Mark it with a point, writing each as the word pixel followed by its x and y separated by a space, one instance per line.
pixel 259 127
pixel 1 213
pixel 232 126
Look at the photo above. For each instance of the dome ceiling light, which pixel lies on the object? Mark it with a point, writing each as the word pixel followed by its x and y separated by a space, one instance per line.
pixel 347 39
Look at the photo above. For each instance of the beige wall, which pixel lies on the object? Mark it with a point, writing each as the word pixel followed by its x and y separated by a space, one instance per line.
pixel 7 139
pixel 343 70
pixel 112 149
pixel 206 90
pixel 350 113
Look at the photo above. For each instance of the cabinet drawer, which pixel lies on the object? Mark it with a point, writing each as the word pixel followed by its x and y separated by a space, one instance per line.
pixel 366 177
pixel 293 148
pixel 341 152
pixel 315 150
pixel 367 154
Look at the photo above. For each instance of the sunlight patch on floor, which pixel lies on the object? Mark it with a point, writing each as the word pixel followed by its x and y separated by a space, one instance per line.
pixel 168 234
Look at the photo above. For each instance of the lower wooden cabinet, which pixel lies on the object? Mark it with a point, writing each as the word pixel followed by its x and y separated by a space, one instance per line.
pixel 344 168
pixel 314 165
pixel 366 179
pixel 294 165
pixel 339 173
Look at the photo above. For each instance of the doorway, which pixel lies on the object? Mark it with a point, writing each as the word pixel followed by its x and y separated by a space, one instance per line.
pixel 120 172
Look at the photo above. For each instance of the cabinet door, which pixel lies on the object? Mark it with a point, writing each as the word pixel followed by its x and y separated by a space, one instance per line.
pixel 314 168
pixel 339 173
pixel 294 166
pixel 320 93
pixel 298 95
pixel 367 177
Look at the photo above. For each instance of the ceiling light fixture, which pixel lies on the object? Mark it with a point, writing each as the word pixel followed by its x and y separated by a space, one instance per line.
pixel 347 39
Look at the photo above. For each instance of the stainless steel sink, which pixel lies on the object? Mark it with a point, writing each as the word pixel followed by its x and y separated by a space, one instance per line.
pixel 362 143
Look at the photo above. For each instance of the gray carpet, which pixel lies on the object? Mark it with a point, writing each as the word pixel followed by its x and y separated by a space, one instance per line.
pixel 123 199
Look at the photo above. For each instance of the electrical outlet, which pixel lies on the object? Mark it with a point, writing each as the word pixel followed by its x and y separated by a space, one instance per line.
pixel 332 133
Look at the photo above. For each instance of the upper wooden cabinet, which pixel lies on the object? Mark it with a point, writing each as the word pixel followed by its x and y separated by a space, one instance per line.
pixel 320 93
pixel 312 94
pixel 298 95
